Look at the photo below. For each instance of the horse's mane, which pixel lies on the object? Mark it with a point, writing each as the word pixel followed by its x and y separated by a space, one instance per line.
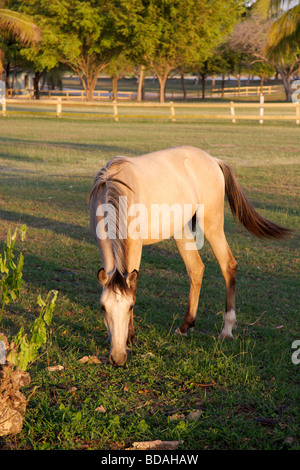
pixel 112 193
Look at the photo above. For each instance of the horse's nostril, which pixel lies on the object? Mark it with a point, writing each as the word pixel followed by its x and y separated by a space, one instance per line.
pixel 111 360
pixel 118 360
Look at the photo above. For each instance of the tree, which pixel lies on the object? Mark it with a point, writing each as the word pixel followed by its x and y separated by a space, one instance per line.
pixel 223 61
pixel 250 36
pixel 40 59
pixel 18 26
pixel 263 70
pixel 117 67
pixel 80 34
pixel 165 35
pixel 285 30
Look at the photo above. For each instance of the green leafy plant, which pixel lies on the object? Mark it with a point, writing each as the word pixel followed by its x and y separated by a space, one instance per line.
pixel 24 348
pixel 10 269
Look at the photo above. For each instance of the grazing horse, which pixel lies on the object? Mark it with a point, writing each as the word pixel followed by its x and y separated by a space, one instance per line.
pixel 128 208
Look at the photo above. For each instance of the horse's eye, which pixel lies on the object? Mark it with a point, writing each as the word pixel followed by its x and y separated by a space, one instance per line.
pixel 131 307
pixel 103 308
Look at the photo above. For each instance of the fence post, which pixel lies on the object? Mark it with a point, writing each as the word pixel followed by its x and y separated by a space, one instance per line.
pixel 232 111
pixel 172 111
pixel 115 107
pixel 261 109
pixel 298 113
pixel 58 108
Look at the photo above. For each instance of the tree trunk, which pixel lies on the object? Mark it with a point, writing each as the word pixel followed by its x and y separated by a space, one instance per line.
pixel 262 84
pixel 203 82
pixel 140 92
pixel 7 69
pixel 162 86
pixel 1 63
pixel 223 85
pixel 114 80
pixel 286 76
pixel 286 80
pixel 183 85
pixel 213 83
pixel 89 84
pixel 88 75
pixel 203 74
pixel 287 88
pixel 36 85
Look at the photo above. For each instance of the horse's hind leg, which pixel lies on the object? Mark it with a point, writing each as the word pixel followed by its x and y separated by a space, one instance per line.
pixel 228 265
pixel 195 270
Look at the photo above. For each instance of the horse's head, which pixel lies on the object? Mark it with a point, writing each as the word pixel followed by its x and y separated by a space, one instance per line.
pixel 117 301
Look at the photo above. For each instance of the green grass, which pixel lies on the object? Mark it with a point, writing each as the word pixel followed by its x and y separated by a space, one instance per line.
pixel 247 390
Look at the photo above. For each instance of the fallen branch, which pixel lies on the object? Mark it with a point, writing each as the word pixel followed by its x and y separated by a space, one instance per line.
pixel 256 321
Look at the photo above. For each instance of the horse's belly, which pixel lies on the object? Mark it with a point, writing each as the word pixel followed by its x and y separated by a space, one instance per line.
pixel 155 222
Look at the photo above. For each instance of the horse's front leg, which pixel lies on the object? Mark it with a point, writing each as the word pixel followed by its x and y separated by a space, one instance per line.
pixel 133 261
pixel 195 270
pixel 131 330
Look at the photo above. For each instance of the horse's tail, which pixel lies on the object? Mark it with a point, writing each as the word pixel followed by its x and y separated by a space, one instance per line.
pixel 244 211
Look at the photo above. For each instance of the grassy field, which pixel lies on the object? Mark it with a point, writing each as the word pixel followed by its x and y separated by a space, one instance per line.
pixel 245 392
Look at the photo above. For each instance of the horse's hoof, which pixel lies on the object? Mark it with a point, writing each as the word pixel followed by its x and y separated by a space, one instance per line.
pixel 179 332
pixel 224 335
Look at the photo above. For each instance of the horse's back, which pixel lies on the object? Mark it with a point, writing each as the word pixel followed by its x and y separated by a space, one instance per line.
pixel 182 174
pixel 176 157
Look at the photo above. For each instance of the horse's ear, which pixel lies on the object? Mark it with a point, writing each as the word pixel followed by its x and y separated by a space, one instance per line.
pixel 103 277
pixel 131 279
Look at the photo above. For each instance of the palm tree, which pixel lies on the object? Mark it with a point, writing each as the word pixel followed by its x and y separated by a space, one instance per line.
pixel 284 33
pixel 20 26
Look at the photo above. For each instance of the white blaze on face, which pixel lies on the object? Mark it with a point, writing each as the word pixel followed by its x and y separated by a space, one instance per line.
pixel 117 305
pixel 117 310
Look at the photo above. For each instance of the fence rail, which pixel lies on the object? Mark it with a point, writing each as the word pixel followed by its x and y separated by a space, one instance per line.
pixel 248 90
pixel 21 93
pixel 171 110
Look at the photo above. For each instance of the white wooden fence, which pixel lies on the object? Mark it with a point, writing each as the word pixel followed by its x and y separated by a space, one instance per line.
pixel 132 95
pixel 22 93
pixel 237 111
pixel 247 90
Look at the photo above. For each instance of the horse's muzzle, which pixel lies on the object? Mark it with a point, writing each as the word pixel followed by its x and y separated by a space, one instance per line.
pixel 118 359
